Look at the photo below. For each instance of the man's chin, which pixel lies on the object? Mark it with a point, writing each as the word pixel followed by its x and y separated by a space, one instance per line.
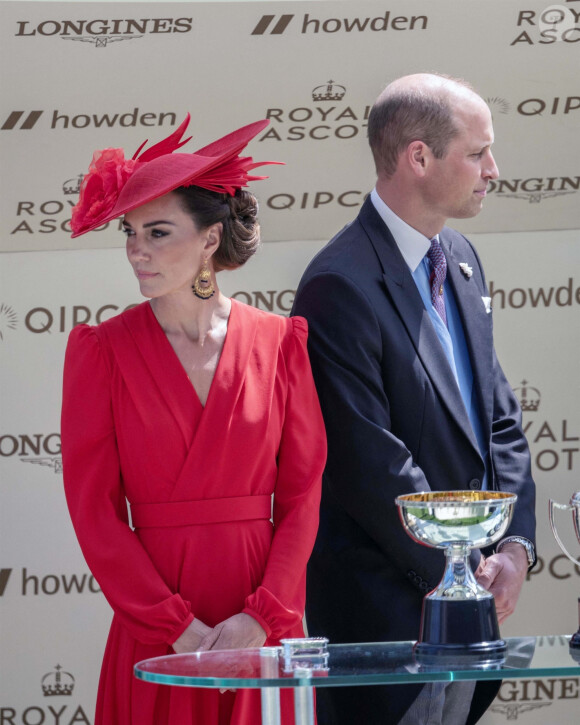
pixel 468 213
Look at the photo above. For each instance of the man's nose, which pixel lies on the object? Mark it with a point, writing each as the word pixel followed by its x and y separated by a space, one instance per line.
pixel 491 171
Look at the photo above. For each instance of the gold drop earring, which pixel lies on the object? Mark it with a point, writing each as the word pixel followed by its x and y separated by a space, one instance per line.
pixel 202 285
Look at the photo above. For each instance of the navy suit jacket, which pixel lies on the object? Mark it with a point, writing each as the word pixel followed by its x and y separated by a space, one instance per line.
pixel 395 423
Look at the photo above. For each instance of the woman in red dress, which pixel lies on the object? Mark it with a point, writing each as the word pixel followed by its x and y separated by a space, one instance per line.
pixel 201 414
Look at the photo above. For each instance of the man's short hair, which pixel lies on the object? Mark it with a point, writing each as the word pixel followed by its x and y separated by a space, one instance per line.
pixel 399 117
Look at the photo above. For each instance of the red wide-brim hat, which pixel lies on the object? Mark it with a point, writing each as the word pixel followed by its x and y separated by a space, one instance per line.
pixel 114 185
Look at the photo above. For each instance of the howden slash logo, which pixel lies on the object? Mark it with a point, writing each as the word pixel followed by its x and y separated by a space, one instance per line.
pixel 309 25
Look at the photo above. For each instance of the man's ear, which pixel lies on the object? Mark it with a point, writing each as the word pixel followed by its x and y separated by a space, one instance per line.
pixel 418 157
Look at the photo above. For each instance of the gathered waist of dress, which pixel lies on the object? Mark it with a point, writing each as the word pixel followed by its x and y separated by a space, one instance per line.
pixel 202 511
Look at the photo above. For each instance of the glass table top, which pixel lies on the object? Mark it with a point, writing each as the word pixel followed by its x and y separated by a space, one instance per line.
pixel 372 663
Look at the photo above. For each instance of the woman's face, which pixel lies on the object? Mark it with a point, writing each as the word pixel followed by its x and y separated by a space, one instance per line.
pixel 164 246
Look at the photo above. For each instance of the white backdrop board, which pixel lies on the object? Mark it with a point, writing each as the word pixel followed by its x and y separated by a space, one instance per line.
pixel 80 76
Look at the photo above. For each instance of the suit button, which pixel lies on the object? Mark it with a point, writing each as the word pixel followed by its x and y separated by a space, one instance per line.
pixel 475 484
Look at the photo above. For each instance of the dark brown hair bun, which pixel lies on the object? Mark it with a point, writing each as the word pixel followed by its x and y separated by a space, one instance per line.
pixel 238 215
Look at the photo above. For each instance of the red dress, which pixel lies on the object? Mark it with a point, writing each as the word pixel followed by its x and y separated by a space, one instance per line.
pixel 199 481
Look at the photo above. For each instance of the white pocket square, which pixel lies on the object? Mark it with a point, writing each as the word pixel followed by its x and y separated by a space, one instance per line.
pixel 487 304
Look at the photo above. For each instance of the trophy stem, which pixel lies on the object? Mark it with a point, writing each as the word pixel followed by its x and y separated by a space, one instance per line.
pixel 458 581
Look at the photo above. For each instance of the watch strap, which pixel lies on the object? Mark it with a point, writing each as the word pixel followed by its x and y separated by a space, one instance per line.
pixel 526 543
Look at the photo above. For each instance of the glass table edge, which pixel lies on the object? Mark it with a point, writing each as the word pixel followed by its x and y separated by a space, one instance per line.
pixel 290 682
pixel 517 673
pixel 381 678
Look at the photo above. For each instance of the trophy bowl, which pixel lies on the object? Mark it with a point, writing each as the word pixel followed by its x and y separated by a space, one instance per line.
pixel 574 507
pixel 459 614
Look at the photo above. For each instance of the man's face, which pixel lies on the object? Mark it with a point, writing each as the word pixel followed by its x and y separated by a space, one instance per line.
pixel 456 185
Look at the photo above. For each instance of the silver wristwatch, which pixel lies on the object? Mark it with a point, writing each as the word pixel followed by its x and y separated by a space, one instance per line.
pixel 526 543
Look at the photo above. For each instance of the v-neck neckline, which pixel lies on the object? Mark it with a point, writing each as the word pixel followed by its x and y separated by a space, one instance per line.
pixel 173 355
pixel 168 381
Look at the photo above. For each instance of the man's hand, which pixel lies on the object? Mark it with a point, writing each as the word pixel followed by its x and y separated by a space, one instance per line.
pixel 503 575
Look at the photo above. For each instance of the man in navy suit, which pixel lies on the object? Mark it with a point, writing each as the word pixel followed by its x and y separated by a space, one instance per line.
pixel 413 396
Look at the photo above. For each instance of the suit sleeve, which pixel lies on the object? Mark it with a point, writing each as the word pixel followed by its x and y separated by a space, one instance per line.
pixel 96 500
pixel 368 466
pixel 278 603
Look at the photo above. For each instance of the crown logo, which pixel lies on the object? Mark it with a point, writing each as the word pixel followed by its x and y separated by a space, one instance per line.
pixel 330 91
pixel 57 683
pixel 72 186
pixel 529 397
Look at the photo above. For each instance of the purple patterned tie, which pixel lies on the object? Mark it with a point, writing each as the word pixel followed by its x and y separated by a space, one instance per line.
pixel 437 278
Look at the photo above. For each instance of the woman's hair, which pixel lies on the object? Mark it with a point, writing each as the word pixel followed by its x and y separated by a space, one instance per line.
pixel 238 215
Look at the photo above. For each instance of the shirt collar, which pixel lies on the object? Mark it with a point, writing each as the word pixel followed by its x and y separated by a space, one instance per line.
pixel 412 244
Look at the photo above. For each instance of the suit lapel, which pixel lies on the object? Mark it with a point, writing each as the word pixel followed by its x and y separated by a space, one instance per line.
pixel 405 297
pixel 476 328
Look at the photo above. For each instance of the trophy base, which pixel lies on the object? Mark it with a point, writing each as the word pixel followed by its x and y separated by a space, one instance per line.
pixel 460 626
pixel 575 638
pixel 458 659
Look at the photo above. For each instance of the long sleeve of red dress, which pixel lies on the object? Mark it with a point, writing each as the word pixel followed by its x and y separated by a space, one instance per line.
pixel 144 603
pixel 278 603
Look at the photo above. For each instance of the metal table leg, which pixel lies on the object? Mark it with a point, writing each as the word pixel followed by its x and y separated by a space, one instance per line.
pixel 270 695
pixel 303 699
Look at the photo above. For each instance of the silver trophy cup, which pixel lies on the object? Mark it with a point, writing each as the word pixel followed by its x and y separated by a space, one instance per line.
pixel 458 615
pixel 574 507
